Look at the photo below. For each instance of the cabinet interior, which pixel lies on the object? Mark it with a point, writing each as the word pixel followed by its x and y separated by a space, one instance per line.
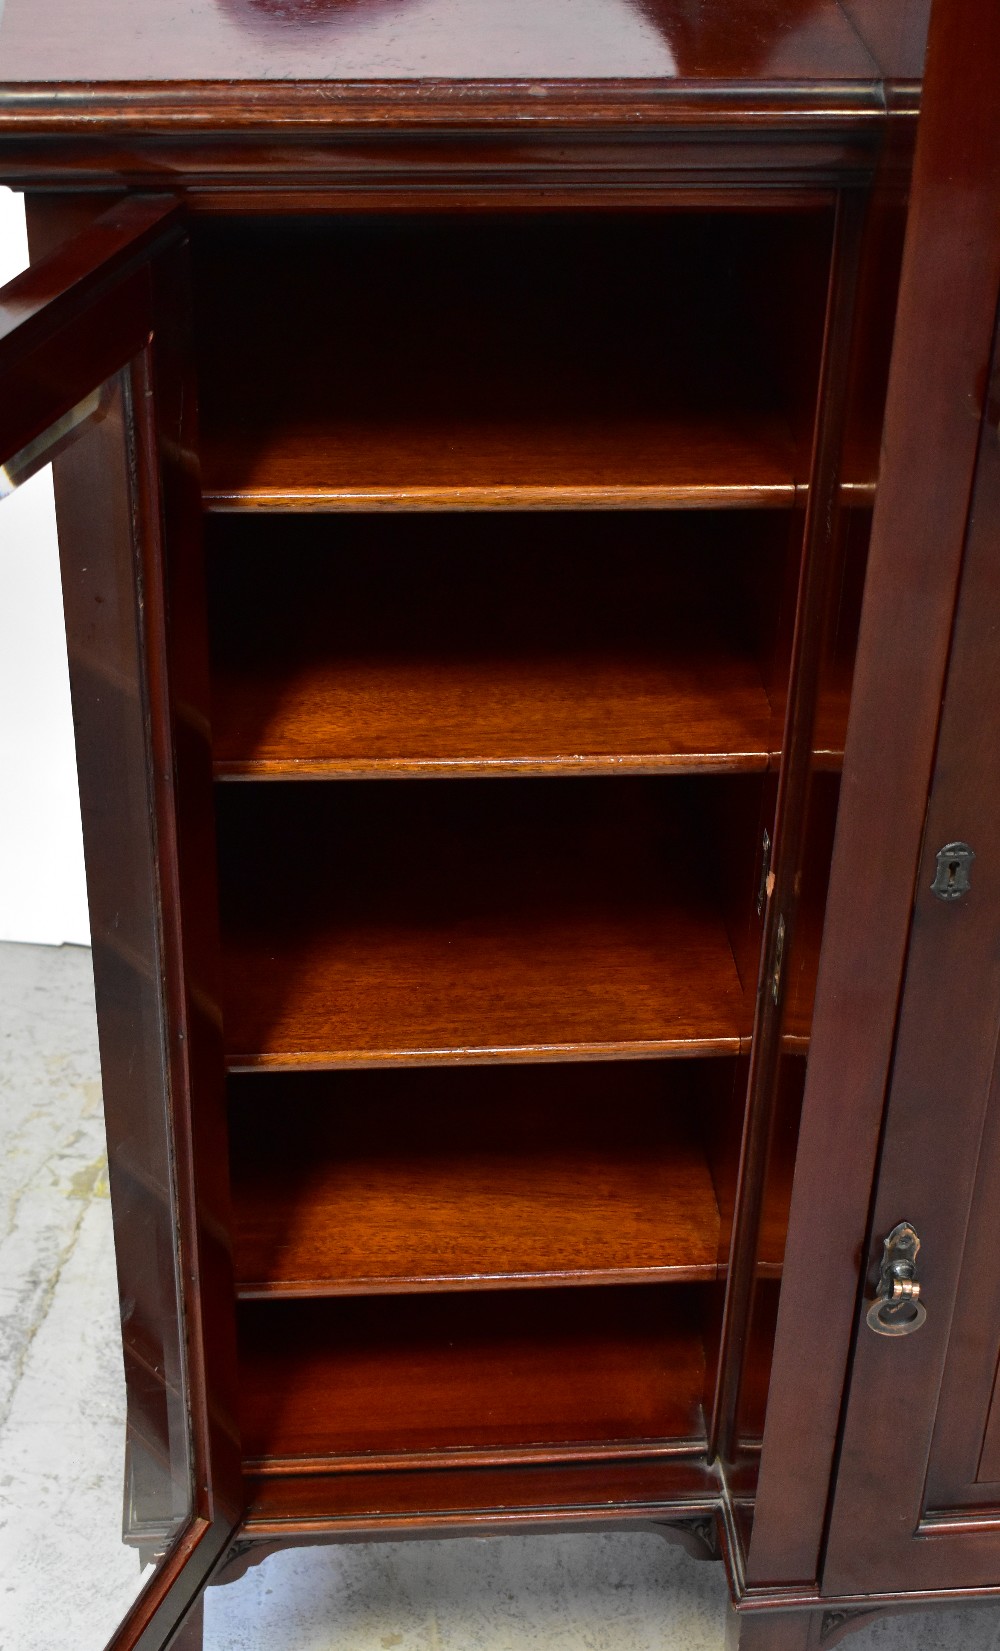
pixel 505 537
pixel 488 360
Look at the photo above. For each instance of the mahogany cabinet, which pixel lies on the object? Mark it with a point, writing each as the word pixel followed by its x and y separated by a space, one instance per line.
pixel 529 496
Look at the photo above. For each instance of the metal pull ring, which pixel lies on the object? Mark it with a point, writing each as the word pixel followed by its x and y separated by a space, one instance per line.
pixel 897 1309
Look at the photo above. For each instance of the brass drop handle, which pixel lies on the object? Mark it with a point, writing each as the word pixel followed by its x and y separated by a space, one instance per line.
pixel 897 1309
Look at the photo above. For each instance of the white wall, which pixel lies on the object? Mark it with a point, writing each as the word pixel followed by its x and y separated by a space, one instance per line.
pixel 42 890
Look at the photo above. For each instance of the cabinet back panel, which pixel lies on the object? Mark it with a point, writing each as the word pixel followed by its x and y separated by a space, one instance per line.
pixel 472 1374
pixel 477 643
pixel 440 920
pixel 495 359
pixel 352 1183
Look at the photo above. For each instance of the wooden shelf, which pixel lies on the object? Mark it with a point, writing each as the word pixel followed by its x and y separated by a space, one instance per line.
pixel 667 462
pixel 453 921
pixel 346 1184
pixel 514 1496
pixel 545 645
pixel 537 1373
pixel 491 362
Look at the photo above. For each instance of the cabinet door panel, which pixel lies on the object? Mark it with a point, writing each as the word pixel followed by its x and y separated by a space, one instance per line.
pixel 92 378
pixel 915 1505
pixel 943 1106
pixel 964 1468
pixel 936 400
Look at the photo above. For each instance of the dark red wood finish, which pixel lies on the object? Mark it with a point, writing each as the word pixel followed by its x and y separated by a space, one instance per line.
pixel 234 100
pixel 112 299
pixel 457 921
pixel 359 1183
pixel 896 36
pixel 544 645
pixel 948 298
pixel 767 41
pixel 830 645
pixel 819 566
pixel 450 1500
pixel 943 1094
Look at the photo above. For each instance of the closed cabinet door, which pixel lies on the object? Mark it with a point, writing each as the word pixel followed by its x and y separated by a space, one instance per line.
pixel 92 379
pixel 917 1496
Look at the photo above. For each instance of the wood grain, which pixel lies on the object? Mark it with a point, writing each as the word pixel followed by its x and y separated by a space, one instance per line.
pixel 490 361
pixel 523 464
pixel 659 362
pixel 347 1184
pixel 943 340
pixel 77 317
pixel 445 1499
pixel 470 1374
pixel 442 921
pixel 116 293
pixel 944 1084
pixel 517 645
pixel 815 604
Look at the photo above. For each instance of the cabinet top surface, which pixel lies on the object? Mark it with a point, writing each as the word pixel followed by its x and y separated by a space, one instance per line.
pixel 50 43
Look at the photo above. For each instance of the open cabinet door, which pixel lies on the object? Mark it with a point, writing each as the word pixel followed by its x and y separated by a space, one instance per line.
pixel 886 1489
pixel 916 1503
pixel 94 377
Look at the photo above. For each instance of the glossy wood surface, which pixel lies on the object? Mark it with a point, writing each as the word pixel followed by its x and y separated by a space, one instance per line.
pixel 76 318
pixel 362 929
pixel 105 645
pixel 526 645
pixel 471 1374
pixel 944 1076
pixel 116 295
pixel 450 1499
pixel 813 601
pixel 951 276
pixel 178 676
pixel 420 1180
pixel 51 40
pixel 674 461
pixel 896 35
pixel 964 1467
pixel 443 921
pixel 490 362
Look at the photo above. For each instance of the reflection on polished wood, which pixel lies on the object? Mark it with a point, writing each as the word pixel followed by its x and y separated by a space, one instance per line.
pixel 456 1496
pixel 521 464
pixel 141 40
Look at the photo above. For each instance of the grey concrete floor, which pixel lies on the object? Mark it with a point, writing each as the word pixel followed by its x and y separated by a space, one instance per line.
pixel 65 1579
